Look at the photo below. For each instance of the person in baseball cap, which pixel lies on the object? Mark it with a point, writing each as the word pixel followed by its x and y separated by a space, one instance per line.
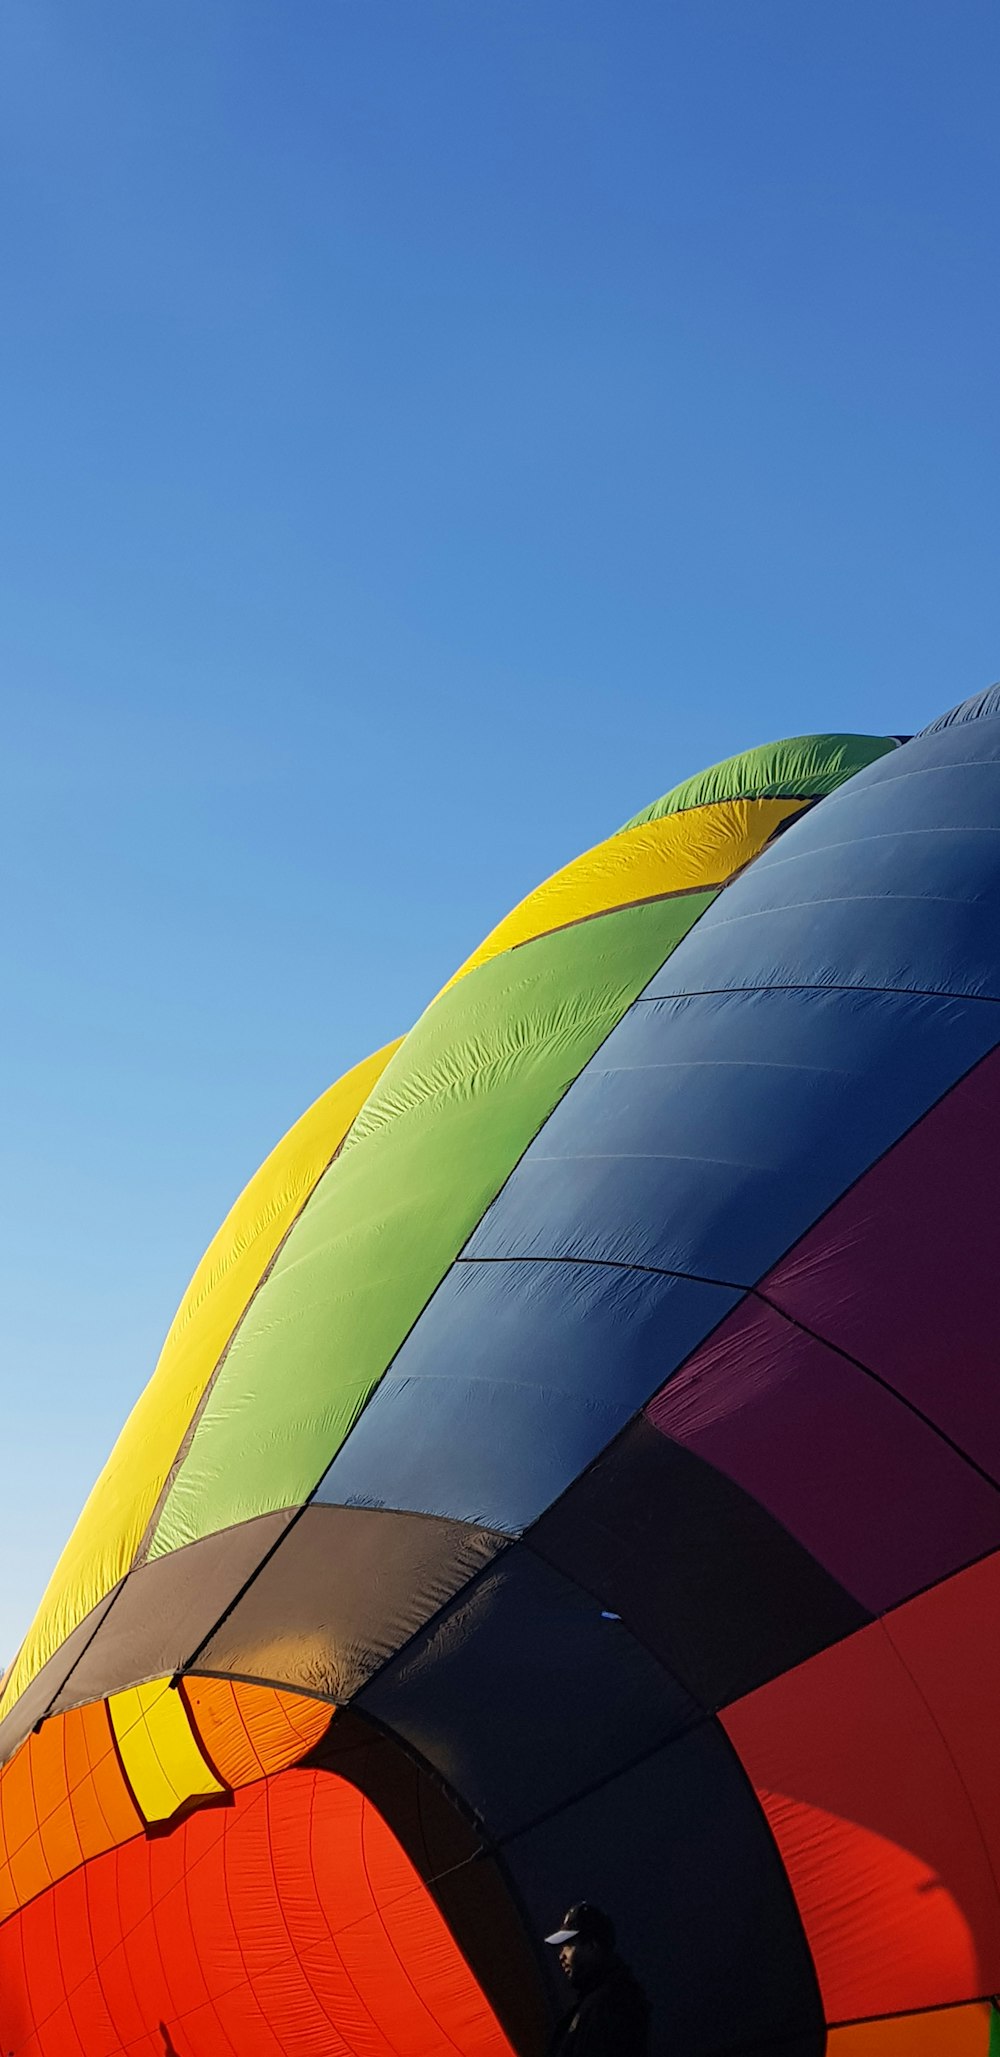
pixel 610 2013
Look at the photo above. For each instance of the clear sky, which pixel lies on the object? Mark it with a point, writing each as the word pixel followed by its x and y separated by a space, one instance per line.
pixel 431 428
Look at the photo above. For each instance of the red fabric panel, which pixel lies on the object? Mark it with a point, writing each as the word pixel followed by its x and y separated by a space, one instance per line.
pixel 872 1492
pixel 63 1797
pixel 902 1272
pixel 879 1837
pixel 291 1920
pixel 949 1642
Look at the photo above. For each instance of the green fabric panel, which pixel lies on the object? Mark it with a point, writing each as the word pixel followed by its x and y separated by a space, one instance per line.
pixel 994 2049
pixel 450 1117
pixel 801 768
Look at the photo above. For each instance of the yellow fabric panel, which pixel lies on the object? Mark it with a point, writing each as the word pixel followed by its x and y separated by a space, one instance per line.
pixel 111 1527
pixel 947 2032
pixel 163 1763
pixel 678 854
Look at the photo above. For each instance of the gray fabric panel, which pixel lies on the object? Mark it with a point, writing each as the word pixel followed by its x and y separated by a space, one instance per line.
pixel 165 1609
pixel 348 1587
pixel 33 1704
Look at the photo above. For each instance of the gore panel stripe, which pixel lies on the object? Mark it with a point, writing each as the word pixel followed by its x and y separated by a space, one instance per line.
pixel 804 766
pixel 452 1114
pixel 105 1540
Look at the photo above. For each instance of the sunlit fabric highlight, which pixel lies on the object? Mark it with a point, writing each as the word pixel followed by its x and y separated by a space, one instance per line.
pixel 292 1921
pixel 248 1731
pixel 159 1749
pixel 574 1472
pixel 111 1527
pixel 63 1799
pixel 680 853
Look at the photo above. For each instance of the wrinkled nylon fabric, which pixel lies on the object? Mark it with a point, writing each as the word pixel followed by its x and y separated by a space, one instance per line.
pixel 70 1792
pixel 248 1731
pixel 63 1799
pixel 801 765
pixel 471 1086
pixel 983 706
pixel 875 1763
pixel 125 1508
pixel 677 854
pixel 514 1358
pixel 284 1917
pixel 110 1529
pixel 159 1749
pixel 291 1920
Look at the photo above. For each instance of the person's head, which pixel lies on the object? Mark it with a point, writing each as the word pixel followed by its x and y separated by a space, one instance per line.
pixel 585 1942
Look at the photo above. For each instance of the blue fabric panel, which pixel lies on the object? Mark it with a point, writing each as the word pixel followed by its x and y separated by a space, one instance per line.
pixel 709 1132
pixel 893 881
pixel 981 707
pixel 513 1380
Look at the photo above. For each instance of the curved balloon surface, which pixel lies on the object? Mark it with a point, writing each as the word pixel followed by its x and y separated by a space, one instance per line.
pixel 573 1472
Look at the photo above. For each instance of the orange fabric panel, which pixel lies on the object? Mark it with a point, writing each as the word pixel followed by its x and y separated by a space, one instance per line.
pixel 292 1920
pixel 249 1731
pixel 948 2032
pixel 876 1831
pixel 62 1798
pixel 57 1828
pixel 103 1808
pixel 25 1871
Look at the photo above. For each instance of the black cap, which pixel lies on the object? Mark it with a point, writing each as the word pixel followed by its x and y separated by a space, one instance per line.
pixel 591 1923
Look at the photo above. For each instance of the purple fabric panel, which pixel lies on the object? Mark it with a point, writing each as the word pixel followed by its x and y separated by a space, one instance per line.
pixel 876 1496
pixel 904 1272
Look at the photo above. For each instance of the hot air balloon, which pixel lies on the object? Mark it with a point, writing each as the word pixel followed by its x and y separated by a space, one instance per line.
pixel 573 1473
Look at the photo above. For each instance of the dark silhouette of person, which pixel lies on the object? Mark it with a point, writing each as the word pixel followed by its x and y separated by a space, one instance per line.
pixel 610 2012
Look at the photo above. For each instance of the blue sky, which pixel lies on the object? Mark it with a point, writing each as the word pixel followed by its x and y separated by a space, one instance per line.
pixel 431 428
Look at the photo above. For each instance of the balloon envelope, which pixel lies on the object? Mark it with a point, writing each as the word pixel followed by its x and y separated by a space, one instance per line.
pixel 573 1473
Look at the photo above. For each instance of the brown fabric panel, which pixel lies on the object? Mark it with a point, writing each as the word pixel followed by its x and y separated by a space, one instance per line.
pixel 167 1607
pixel 35 1702
pixel 701 1574
pixel 466 1880
pixel 347 1588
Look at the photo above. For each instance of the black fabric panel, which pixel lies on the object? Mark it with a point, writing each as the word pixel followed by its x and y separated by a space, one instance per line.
pixel 521 1694
pixel 166 1607
pixel 700 1572
pixel 466 1880
pixel 347 1588
pixel 33 1704
pixel 678 1852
